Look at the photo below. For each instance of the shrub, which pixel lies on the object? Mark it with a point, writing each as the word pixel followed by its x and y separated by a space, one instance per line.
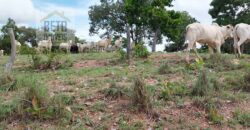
pixel 165 69
pixel 172 90
pixel 242 117
pixel 114 91
pixel 220 62
pixel 141 51
pixel 246 84
pixel 7 82
pixel 214 116
pixel 50 61
pixel 122 54
pixel 205 85
pixel 141 97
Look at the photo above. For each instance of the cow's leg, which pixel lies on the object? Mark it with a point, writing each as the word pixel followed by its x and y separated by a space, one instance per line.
pixel 218 49
pixel 195 51
pixel 211 50
pixel 239 44
pixel 190 46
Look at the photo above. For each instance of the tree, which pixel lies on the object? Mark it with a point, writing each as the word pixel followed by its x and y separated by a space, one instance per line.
pixel 230 12
pixel 5 40
pixel 177 35
pixel 27 34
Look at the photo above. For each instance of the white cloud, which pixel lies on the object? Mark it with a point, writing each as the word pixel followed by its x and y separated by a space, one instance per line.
pixel 22 11
pixel 197 8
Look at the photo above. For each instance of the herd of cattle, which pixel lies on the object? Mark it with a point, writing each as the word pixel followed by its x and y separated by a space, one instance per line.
pixel 99 46
pixel 213 36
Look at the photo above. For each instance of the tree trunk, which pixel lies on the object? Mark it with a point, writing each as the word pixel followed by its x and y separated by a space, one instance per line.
pixel 155 40
pixel 9 65
pixel 129 44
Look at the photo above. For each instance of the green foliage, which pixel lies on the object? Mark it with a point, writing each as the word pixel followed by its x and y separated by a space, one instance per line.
pixel 215 117
pixel 7 82
pixel 141 97
pixel 122 54
pixel 205 85
pixel 220 62
pixel 99 106
pixel 64 99
pixel 176 33
pixel 171 91
pixel 197 65
pixel 165 69
pixel 114 91
pixel 47 61
pixel 242 117
pixel 246 82
pixel 141 51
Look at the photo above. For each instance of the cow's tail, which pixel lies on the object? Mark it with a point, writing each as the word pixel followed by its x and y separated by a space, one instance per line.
pixel 236 37
pixel 236 40
pixel 187 35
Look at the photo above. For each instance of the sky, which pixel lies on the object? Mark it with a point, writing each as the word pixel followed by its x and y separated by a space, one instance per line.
pixel 30 12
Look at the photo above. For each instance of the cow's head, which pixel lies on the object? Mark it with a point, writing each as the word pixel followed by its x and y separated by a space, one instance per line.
pixel 228 31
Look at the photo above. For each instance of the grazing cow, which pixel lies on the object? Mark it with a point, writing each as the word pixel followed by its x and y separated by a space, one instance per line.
pixel 45 44
pixel 18 46
pixel 212 35
pixel 1 52
pixel 84 47
pixel 103 44
pixel 241 36
pixel 118 43
pixel 66 46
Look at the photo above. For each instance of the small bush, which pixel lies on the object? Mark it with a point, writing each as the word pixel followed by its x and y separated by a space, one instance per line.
pixel 165 69
pixel 99 106
pixel 220 62
pixel 114 91
pixel 172 90
pixel 122 54
pixel 141 96
pixel 141 51
pixel 215 117
pixel 50 61
pixel 197 65
pixel 242 117
pixel 7 83
pixel 205 85
pixel 246 84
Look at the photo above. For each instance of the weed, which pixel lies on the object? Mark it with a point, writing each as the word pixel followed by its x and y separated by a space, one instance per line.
pixel 246 84
pixel 114 91
pixel 64 99
pixel 7 83
pixel 205 85
pixel 165 69
pixel 220 62
pixel 172 90
pixel 242 117
pixel 99 106
pixel 141 96
pixel 214 116
pixel 141 51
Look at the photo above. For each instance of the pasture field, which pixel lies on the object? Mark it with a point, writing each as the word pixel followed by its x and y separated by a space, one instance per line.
pixel 96 91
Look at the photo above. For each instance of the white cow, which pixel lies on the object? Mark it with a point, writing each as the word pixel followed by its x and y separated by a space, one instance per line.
pixel 103 44
pixel 241 36
pixel 83 47
pixel 18 46
pixel 45 44
pixel 118 43
pixel 212 35
pixel 1 52
pixel 66 46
